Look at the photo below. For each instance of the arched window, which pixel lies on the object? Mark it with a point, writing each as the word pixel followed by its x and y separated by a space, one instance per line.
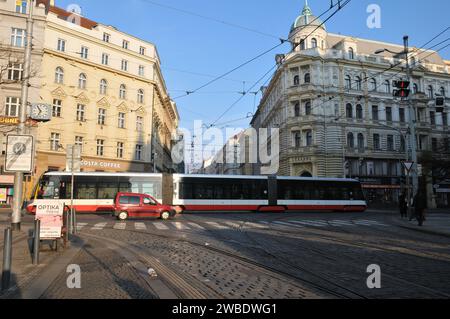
pixel 373 84
pixel 82 79
pixel 308 108
pixel 309 138
pixel 103 87
pixel 349 110
pixel 415 88
pixel 297 139
pixel 350 140
pixel 307 78
pixel 387 86
pixel 302 45
pixel 359 112
pixel 430 92
pixel 348 82
pixel 59 75
pixel 442 91
pixel 140 96
pixel 351 53
pixel 314 43
pixel 358 83
pixel 361 142
pixel 123 92
pixel 296 80
pixel 297 109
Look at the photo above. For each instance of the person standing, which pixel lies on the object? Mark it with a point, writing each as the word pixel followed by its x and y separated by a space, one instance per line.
pixel 420 204
pixel 403 205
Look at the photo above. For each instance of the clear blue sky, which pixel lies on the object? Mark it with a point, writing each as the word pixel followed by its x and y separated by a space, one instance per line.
pixel 193 44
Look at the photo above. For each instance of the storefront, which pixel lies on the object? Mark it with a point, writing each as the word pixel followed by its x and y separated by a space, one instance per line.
pixel 442 195
pixel 382 192
pixel 6 189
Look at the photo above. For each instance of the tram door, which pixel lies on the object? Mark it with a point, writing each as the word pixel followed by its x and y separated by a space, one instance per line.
pixel 273 191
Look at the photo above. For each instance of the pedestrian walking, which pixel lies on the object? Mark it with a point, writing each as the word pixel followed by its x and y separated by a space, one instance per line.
pixel 420 204
pixel 403 205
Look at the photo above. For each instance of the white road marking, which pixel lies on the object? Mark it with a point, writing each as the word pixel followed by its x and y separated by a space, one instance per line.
pixel 288 224
pixel 369 223
pixel 140 226
pixel 233 225
pixel 196 226
pixel 99 226
pixel 180 226
pixel 255 225
pixel 80 226
pixel 217 225
pixel 317 223
pixel 120 226
pixel 160 226
pixel 339 223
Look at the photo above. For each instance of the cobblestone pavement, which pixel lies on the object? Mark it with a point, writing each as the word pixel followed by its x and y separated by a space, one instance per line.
pixel 307 255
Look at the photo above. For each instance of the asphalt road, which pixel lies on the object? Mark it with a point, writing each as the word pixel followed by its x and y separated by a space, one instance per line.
pixel 252 256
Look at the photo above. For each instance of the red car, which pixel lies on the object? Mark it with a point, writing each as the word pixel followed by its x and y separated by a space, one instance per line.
pixel 140 205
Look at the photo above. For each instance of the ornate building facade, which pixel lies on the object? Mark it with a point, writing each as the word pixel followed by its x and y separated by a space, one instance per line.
pixel 332 98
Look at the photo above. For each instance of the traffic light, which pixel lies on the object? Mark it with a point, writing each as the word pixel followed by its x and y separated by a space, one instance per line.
pixel 402 89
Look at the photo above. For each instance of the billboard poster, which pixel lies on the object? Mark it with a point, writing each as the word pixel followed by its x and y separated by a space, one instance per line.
pixel 50 213
pixel 19 153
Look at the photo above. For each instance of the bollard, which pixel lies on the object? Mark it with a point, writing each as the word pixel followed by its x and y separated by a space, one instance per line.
pixel 67 220
pixel 74 213
pixel 36 241
pixel 7 258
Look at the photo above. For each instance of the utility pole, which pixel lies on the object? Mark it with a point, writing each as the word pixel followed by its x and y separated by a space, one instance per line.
pixel 412 128
pixel 19 177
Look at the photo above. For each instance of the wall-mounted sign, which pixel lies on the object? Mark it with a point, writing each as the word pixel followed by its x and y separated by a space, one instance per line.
pixel 100 164
pixel 19 153
pixel 9 120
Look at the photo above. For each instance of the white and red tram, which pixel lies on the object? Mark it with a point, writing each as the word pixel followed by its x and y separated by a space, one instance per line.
pixel 95 192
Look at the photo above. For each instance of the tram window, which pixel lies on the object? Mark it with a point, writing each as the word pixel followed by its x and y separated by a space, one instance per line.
pixel 46 190
pixel 125 187
pixel 146 186
pixel 107 190
pixel 86 191
pixel 185 190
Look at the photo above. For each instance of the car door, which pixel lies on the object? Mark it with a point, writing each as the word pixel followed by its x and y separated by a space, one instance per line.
pixel 149 207
pixel 134 205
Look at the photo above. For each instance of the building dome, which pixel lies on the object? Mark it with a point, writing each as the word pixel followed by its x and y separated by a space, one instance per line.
pixel 306 19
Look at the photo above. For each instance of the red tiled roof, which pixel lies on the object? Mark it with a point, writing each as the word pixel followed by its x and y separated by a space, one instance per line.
pixel 64 15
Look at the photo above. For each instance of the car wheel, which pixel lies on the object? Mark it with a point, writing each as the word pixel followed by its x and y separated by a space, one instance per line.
pixel 165 215
pixel 123 216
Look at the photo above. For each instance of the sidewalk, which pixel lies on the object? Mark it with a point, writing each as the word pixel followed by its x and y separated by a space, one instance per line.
pixel 27 280
pixel 436 224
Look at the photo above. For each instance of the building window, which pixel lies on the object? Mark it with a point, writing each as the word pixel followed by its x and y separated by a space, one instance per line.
pixel 105 59
pixel 361 143
pixel 314 43
pixel 297 109
pixel 84 52
pixel 101 119
pixel 61 45
pixel 444 119
pixel 389 114
pixel 120 149
pixel 79 142
pixel 140 96
pixel 434 144
pixel 141 70
pixel 387 86
pixel 373 85
pixel 21 6
pixel 12 107
pixel 308 108
pixel 390 142
pixel 402 116
pixel 432 118
pixel 442 91
pixel 349 111
pixel 374 112
pixel 348 82
pixel 307 78
pixel 15 72
pixel 297 139
pixel 350 140
pixel 359 112
pixel 59 75
pixel 351 54
pixel 125 44
pixel 302 45
pixel 121 123
pixel 415 88
pixel 106 37
pixel 103 87
pixel 296 80
pixel 376 142
pixel 430 92
pixel 57 107
pixel 18 37
pixel 124 65
pixel 100 147
pixel 358 83
pixel 309 138
pixel 55 142
pixel 402 144
pixel 81 112
pixel 142 51
pixel 82 79
pixel 139 123
pixel 138 153
pixel 123 92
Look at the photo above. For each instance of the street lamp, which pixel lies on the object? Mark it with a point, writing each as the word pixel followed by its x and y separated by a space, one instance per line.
pixel 412 117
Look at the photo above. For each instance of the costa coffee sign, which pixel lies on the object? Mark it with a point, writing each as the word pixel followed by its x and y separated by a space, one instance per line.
pixel 100 164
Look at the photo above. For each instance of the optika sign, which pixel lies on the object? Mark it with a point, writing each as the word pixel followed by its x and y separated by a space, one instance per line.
pixel 100 164
pixel 48 207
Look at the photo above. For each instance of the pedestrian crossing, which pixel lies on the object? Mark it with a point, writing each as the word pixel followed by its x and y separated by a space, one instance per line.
pixel 228 225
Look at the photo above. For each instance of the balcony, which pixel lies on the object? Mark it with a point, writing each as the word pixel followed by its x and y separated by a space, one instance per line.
pixel 303 150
